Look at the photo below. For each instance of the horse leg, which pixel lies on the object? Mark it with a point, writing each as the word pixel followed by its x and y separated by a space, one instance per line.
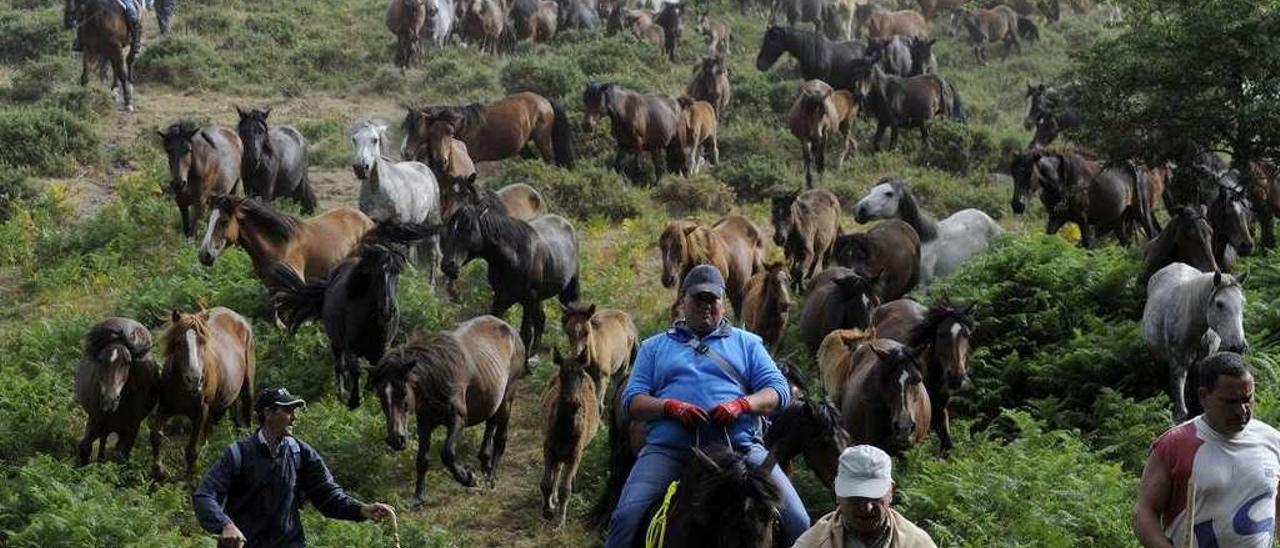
pixel 102 444
pixel 567 472
pixel 942 424
pixel 658 157
pixel 486 451
pixel 85 449
pixel 1266 219
pixel 715 150
pixel 199 425
pixel 617 160
pixel 124 444
pixel 539 317
pixel 502 418
pixel 156 425
pixel 449 453
pixel 808 164
pixel 84 69
pixel 875 141
pixel 188 229
pixel 423 460
pixel 821 153
pixel 120 72
pixel 893 138
pixel 550 470
pixel 1178 383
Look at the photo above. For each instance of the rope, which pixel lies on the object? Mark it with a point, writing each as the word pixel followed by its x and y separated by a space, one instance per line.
pixel 656 535
pixel 395 529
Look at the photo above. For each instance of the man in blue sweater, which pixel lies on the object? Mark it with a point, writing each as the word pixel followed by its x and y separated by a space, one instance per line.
pixel 252 494
pixel 702 381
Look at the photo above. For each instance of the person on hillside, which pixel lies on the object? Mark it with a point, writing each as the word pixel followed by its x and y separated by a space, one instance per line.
pixel 863 517
pixel 705 381
pixel 1213 477
pixel 132 19
pixel 252 494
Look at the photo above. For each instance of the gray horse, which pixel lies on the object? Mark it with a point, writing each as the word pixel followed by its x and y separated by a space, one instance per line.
pixel 275 160
pixel 1189 315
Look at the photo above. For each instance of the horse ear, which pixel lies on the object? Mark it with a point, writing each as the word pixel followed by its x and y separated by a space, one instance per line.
pixel 881 352
pixel 471 179
pixel 241 112
pixel 1240 279
pixel 556 357
pixel 266 112
pixel 591 310
pixel 702 457
pixel 689 229
pixel 161 134
pixel 931 42
pixel 175 315
pixel 1217 278
pixel 971 310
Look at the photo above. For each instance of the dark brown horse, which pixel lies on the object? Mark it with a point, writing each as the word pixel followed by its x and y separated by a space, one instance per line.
pixel 884 401
pixel 570 418
pixel 767 303
pixel 274 161
pixel 115 385
pixel 605 340
pixel 208 367
pixel 838 298
pixel 998 24
pixel 813 430
pixel 813 119
pixel 652 124
pixel 734 245
pixel 406 19
pixel 104 38
pixel 805 226
pixel 711 82
pixel 498 130
pixel 1074 188
pixel 1231 218
pixel 898 102
pixel 890 250
pixel 203 163
pixel 454 379
pixel 517 200
pixel 939 336
pixel 1188 239
pixel 671 19
pixel 537 24
pixel 1264 184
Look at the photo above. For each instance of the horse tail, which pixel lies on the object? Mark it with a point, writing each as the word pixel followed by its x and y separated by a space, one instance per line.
pixel 621 460
pixel 401 233
pixel 957 104
pixel 561 135
pixel 305 195
pixel 295 300
pixel 1027 29
pixel 572 291
pixel 1141 187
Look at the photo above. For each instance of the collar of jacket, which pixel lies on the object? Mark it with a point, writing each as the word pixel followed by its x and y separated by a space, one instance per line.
pixel 680 331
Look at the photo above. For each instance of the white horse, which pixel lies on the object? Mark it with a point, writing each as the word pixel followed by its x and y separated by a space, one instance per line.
pixel 945 245
pixel 403 192
pixel 1189 315
pixel 440 19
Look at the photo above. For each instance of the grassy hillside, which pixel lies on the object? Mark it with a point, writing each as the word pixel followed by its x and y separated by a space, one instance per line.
pixel 1050 438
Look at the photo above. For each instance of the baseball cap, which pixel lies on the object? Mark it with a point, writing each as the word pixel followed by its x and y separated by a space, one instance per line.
pixel 865 472
pixel 279 397
pixel 704 278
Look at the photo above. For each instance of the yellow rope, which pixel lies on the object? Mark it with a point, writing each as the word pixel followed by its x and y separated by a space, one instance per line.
pixel 657 533
pixel 395 529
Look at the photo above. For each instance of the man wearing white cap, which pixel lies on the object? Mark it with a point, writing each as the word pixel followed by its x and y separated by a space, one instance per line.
pixel 863 518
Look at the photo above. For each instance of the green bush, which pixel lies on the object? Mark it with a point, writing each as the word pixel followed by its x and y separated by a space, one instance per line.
pixel 182 61
pixel 16 190
pixel 546 75
pixel 208 22
pixel 327 142
pixel 583 193
pixel 956 148
pixel 46 141
pixel 756 177
pixel 38 79
pixel 683 196
pixel 30 35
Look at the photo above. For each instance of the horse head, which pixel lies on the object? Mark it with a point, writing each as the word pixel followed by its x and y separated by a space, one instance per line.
pixel 772 45
pixel 921 53
pixel 440 136
pixel 573 377
pixel 575 321
pixel 859 296
pixel 177 147
pixel 899 377
pixel 596 103
pixel 881 202
pixel 456 192
pixel 1225 311
pixel 1231 215
pixel 368 138
pixel 673 248
pixel 782 215
pixel 464 238
pixel 1036 105
pixel 947 330
pixel 186 350
pixel 725 501
pixel 393 384
pixel 114 362
pixel 255 136
pixel 382 265
pixel 223 229
pixel 1026 179
pixel 776 286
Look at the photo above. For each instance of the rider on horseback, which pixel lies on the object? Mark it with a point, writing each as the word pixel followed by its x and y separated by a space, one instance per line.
pixel 132 16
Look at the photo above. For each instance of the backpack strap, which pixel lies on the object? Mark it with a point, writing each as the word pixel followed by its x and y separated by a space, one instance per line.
pixel 235 459
pixel 701 347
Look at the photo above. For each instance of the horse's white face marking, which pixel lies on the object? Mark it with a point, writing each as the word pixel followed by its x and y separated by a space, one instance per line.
pixel 866 302
pixel 114 352
pixel 955 330
pixel 206 246
pixel 193 358
pixel 880 203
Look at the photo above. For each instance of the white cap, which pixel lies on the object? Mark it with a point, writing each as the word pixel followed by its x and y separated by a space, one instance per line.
pixel 865 472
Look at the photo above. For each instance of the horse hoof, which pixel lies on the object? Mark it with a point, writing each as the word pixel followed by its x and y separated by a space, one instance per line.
pixel 548 513
pixel 418 503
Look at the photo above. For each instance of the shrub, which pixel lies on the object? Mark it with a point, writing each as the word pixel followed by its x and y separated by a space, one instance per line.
pixel 327 142
pixel 38 79
pixel 683 196
pixel 29 35
pixel 16 190
pixel 956 148
pixel 207 22
pixel 754 177
pixel 546 75
pixel 182 61
pixel 582 193
pixel 47 141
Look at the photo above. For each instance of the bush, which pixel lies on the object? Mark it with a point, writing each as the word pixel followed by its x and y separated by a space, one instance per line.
pixel 47 141
pixel 16 190
pixel 755 177
pixel 38 79
pixel 581 194
pixel 956 148
pixel 683 196
pixel 546 75
pixel 327 142
pixel 30 35
pixel 182 61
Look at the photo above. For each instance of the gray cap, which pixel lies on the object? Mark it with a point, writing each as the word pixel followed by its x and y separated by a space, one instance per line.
pixel 704 278
pixel 865 472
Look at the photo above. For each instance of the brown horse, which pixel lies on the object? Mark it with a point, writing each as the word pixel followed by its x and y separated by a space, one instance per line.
pixel 701 125
pixel 884 401
pixel 606 341
pixel 640 124
pixel 104 38
pixel 847 110
pixel 998 24
pixel 454 379
pixel 482 22
pixel 517 200
pixel 1076 189
pixel 538 25
pixel 115 385
pixel 898 102
pixel 939 336
pixel 641 24
pixel 805 225
pixel 812 119
pixel 711 82
pixel 931 8
pixel 891 249
pixel 835 358
pixel 208 365
pixel 406 19
pixel 570 418
pixel 447 157
pixel 671 20
pixel 766 304
pixel 716 31
pixel 497 130
pixel 203 163
pixel 838 298
pixel 1264 187
pixel 882 24
pixel 1230 216
pixel 734 245
pixel 1188 239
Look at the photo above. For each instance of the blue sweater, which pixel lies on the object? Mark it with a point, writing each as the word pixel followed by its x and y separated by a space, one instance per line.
pixel 262 495
pixel 668 367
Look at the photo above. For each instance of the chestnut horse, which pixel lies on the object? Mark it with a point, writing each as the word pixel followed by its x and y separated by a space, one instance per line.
pixel 813 119
pixel 734 245
pixel 891 249
pixel 711 82
pixel 497 130
pixel 406 19
pixel 805 226
pixel 606 342
pixel 570 417
pixel 882 24
pixel 998 24
pixel 447 157
pixel 203 163
pixel 835 355
pixel 883 400
pixel 115 385
pixel 700 125
pixel 766 304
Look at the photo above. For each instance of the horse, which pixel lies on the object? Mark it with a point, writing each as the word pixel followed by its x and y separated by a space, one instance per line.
pixel 104 37
pixel 945 245
pixel 498 130
pixel 819 58
pixel 931 8
pixel 812 119
pixel 711 82
pixel 441 15
pixel 734 245
pixel 805 225
pixel 578 14
pixel 482 23
pixel 883 24
pixel 570 418
pixel 650 124
pixel 922 59
pixel 447 157
pixel 838 298
pixel 275 160
pixel 834 357
pixel 810 429
pixel 528 262
pixel 516 200
pixel 406 19
pixel 1073 188
pixel 701 125
pixel 766 303
pixel 898 102
pixel 115 385
pixel 890 249
pixel 670 19
pixel 399 192
pixel 1230 215
pixel 640 23
pixel 200 169
pixel 1264 186
pixel 1189 315
pixel 536 25
pixel 1048 115
pixel 357 302
pixel 606 342
pixel 939 335
pixel 998 24
pixel 894 54
pixel 209 366
pixel 1027 29
pixel 717 33
pixel 885 376
pixel 454 379
pixel 802 10
pixel 1187 239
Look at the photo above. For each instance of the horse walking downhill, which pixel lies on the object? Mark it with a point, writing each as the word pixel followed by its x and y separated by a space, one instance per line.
pixel 805 226
pixel 406 19
pixel 734 245
pixel 884 401
pixel 605 341
pixel 570 418
pixel 838 298
pixel 652 124
pixel 1187 239
pixel 890 251
pixel 103 31
pixel 766 304
pixel 274 161
pixel 203 163
pixel 497 130
pixel 115 385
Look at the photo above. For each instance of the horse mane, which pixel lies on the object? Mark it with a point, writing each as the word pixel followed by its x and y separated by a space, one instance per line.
pixel 375 258
pixel 926 227
pixel 923 333
pixel 726 476
pixel 472 117
pixel 172 339
pixel 103 335
pixel 499 226
pixel 179 128
pixel 277 224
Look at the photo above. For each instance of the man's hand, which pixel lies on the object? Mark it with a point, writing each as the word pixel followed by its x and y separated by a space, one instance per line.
pixel 728 412
pixel 377 511
pixel 689 415
pixel 231 536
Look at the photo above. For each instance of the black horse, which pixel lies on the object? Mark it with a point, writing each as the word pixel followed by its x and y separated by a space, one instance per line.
pixel 357 302
pixel 722 501
pixel 1230 215
pixel 1049 114
pixel 819 57
pixel 905 102
pixel 275 160
pixel 810 429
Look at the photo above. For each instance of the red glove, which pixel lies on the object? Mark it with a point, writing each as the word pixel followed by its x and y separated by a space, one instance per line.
pixel 687 413
pixel 729 411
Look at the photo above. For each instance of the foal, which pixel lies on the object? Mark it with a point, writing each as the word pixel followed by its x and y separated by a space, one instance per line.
pixel 570 418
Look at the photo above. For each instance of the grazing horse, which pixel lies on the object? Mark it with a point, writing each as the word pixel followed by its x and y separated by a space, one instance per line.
pixel 671 20
pixel 115 385
pixel 838 298
pixel 528 262
pixel 939 336
pixel 650 124
pixel 883 24
pixel 834 357
pixel 711 82
pixel 1073 188
pixel 1189 315
pixel 203 163
pixel 898 102
pixel 819 58
pixel 208 366
pixel 454 379
pixel 734 245
pixel 398 192
pixel 998 24
pixel 884 401
pixel 406 19
pixel 1048 114
pixel 606 341
pixel 717 33
pixel 357 302
pixel 104 37
pixel 813 430
pixel 1187 239
pixel 922 59
pixel 517 200
pixel 482 23
pixel 812 119
pixel 1230 216
pixel 570 418
pixel 497 130
pixel 275 160
pixel 701 125
pixel 945 245
pixel 891 250
pixel 766 304
pixel 805 225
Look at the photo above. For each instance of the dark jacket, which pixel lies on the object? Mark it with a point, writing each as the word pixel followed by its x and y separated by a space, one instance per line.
pixel 262 495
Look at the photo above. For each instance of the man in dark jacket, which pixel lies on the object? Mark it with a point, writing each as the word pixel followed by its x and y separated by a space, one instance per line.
pixel 252 495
